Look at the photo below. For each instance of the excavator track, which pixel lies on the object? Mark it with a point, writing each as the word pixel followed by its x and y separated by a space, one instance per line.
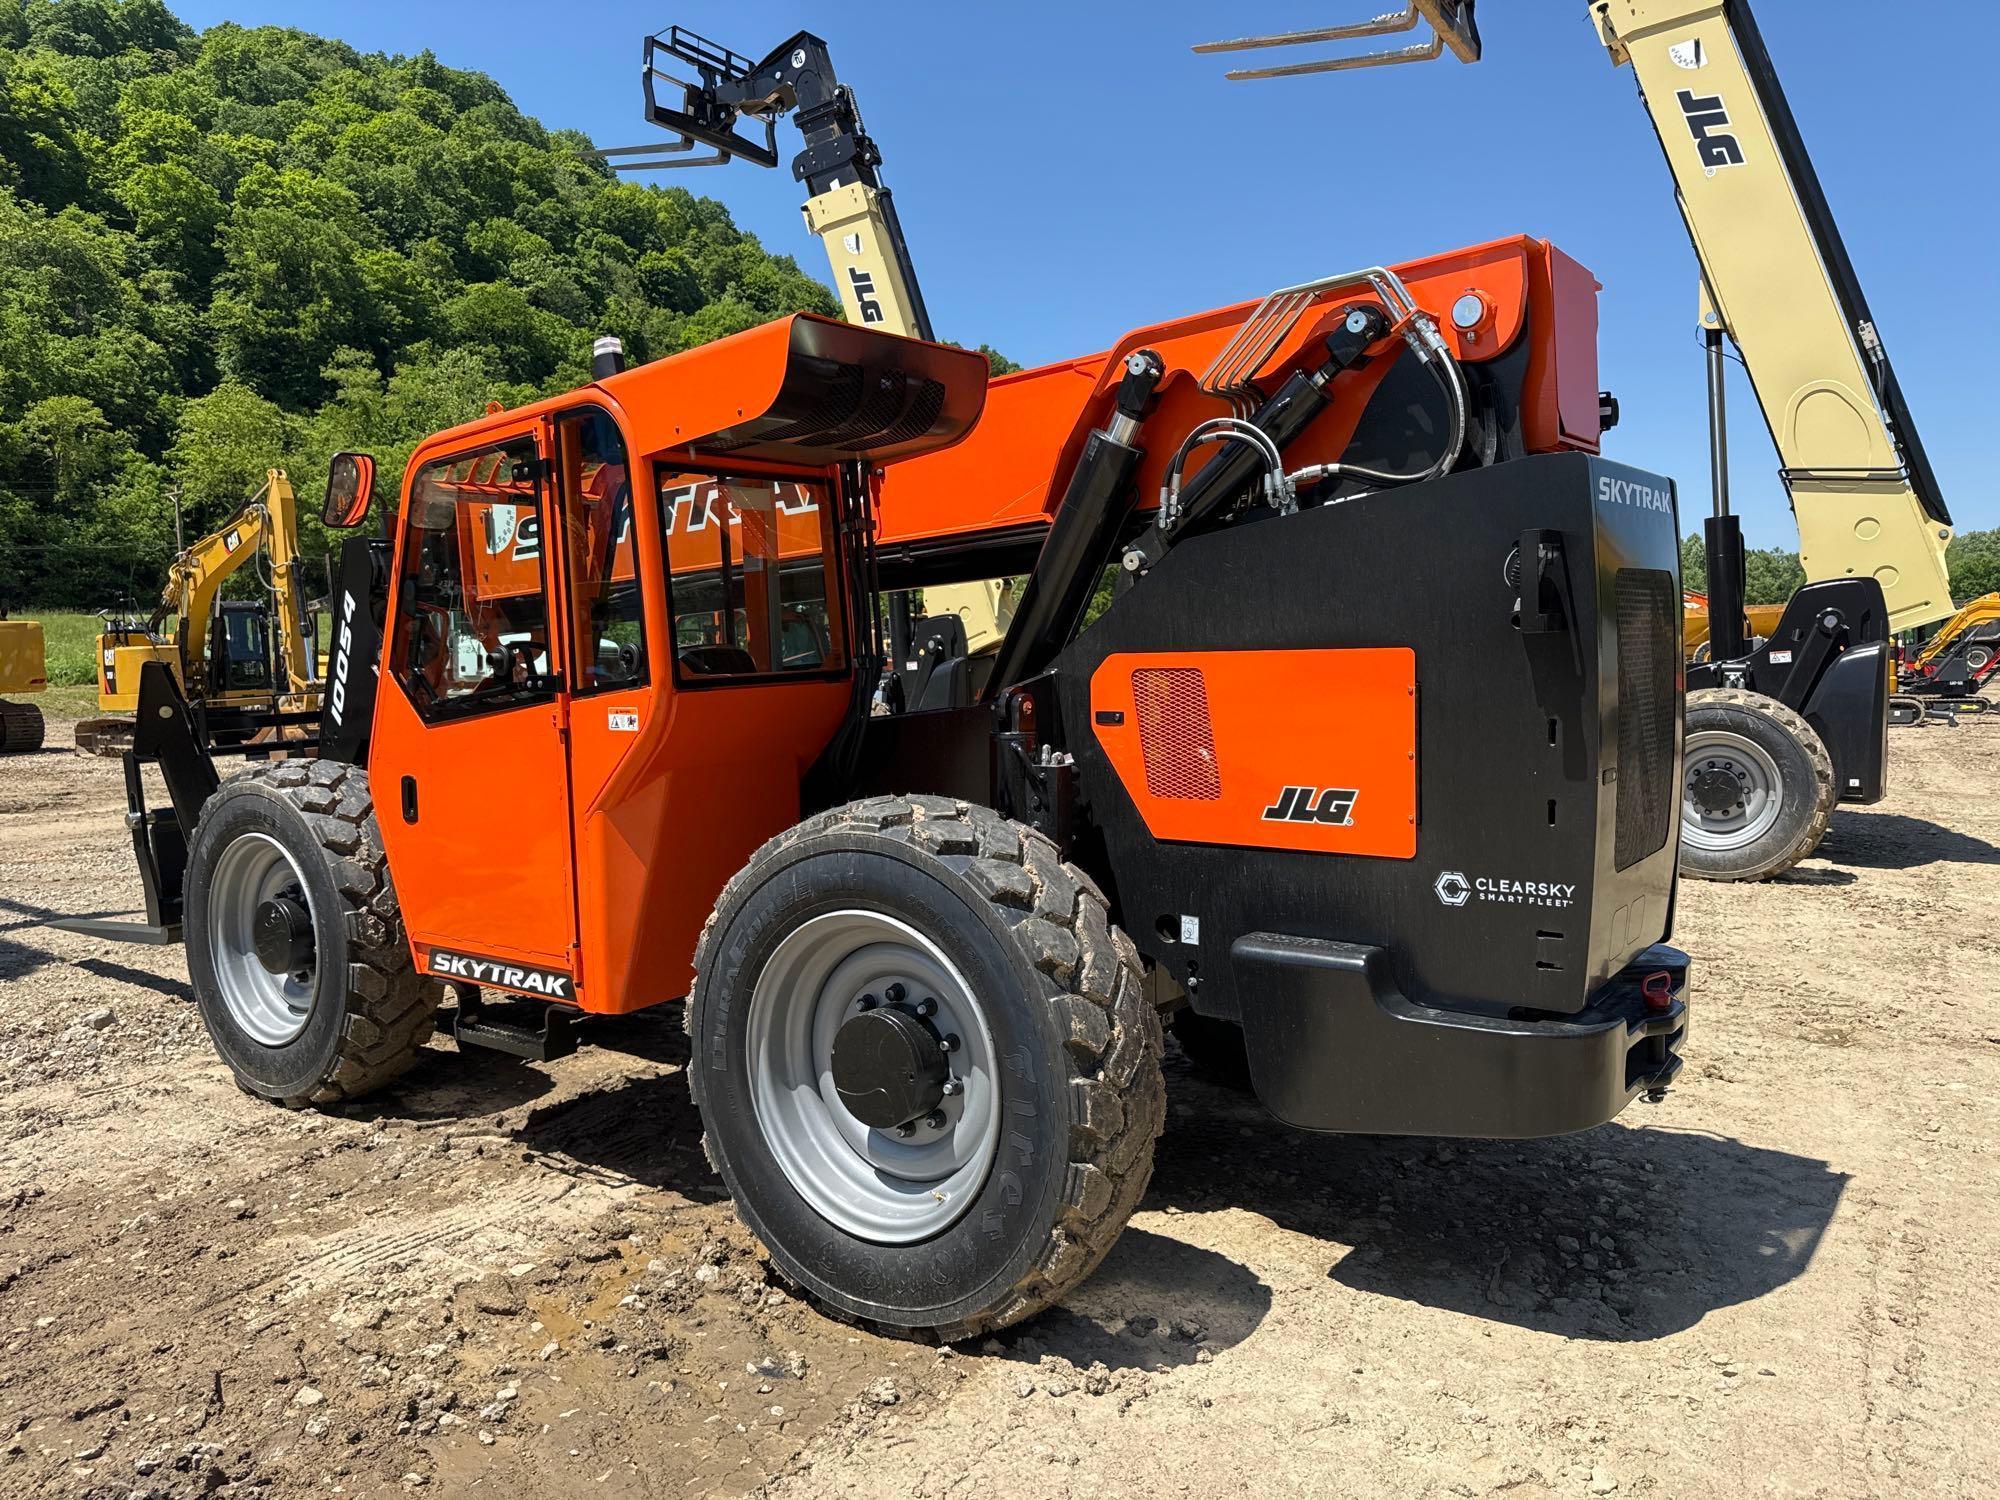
pixel 109 738
pixel 21 728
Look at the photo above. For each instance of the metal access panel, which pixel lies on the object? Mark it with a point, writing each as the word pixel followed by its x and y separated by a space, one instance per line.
pixel 1306 750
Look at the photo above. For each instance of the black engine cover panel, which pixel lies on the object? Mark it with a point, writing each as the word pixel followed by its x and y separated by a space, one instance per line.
pixel 1515 901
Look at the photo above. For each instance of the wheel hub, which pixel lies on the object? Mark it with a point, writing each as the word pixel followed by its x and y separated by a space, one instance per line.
pixel 282 933
pixel 889 1068
pixel 1717 791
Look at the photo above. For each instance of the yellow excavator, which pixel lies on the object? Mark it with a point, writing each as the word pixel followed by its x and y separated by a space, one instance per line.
pixel 23 671
pixel 248 667
pixel 1946 673
pixel 1780 726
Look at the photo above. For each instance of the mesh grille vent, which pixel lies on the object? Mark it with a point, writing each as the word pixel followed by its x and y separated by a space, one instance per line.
pixel 1649 642
pixel 1176 738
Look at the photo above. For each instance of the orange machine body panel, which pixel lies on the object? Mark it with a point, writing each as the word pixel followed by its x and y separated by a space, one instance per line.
pixel 1013 470
pixel 587 835
pixel 1308 750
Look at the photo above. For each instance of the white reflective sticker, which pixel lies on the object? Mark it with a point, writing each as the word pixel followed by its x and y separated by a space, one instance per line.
pixel 1781 658
pixel 623 721
pixel 1191 931
pixel 1689 54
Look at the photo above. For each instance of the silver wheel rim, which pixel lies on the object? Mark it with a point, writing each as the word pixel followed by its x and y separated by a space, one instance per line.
pixel 1763 790
pixel 870 1183
pixel 1978 657
pixel 272 1008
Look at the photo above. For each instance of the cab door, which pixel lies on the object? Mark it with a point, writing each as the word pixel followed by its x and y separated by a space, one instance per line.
pixel 469 767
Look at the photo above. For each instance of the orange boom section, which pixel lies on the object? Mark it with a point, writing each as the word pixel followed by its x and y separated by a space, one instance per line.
pixel 1512 298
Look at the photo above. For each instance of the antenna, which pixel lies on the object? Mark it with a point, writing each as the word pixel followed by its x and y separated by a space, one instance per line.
pixel 1451 24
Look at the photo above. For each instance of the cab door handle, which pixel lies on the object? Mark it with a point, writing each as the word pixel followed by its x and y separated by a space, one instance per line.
pixel 409 799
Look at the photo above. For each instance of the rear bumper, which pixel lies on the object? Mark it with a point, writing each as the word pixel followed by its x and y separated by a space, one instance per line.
pixel 1333 1046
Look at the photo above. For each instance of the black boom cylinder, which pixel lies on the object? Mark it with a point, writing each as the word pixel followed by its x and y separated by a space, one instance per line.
pixel 1081 536
pixel 1223 481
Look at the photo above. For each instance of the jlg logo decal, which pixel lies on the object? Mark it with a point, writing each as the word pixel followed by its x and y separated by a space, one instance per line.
pixel 552 983
pixel 1714 134
pixel 864 294
pixel 1308 804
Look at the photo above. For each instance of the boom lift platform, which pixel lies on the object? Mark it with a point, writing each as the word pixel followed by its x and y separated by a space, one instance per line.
pixel 1780 729
pixel 1425 864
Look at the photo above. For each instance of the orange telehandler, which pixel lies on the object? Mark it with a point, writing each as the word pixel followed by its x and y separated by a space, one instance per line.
pixel 1424 858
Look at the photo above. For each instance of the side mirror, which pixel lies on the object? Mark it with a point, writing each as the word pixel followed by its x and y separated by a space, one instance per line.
pixel 350 489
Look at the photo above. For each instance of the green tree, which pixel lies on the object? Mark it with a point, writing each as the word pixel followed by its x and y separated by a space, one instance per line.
pixel 1974 561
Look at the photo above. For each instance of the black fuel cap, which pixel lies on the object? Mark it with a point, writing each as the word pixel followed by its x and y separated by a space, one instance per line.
pixel 888 1067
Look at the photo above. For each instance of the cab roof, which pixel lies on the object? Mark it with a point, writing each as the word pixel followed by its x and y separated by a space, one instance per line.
pixel 803 390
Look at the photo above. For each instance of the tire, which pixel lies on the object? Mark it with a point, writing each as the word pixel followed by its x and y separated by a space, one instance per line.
pixel 357 1017
pixel 988 911
pixel 1760 742
pixel 21 728
pixel 1978 658
pixel 1214 1049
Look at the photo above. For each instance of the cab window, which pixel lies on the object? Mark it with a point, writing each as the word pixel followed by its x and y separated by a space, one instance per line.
pixel 609 641
pixel 474 632
pixel 748 562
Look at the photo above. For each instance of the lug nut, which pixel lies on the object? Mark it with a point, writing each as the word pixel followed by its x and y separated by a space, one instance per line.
pixel 934 1120
pixel 906 1130
pixel 951 1043
pixel 895 992
pixel 866 1002
pixel 952 1088
pixel 927 1007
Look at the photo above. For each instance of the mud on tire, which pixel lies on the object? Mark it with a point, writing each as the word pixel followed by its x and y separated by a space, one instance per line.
pixel 1076 1042
pixel 370 1011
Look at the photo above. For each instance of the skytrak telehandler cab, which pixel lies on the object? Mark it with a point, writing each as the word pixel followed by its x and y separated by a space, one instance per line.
pixel 601 733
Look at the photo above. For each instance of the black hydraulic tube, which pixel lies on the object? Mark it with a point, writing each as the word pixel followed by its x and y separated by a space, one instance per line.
pixel 1222 482
pixel 1728 638
pixel 1081 538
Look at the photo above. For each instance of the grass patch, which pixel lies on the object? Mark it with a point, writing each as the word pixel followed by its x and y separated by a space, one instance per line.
pixel 71 642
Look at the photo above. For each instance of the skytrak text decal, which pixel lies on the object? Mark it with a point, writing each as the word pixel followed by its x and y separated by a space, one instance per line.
pixel 551 984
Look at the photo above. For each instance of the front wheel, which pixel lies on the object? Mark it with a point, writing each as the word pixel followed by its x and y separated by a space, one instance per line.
pixel 1757 787
pixel 294 939
pixel 926 1065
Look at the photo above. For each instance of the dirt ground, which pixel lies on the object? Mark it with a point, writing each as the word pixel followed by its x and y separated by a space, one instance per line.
pixel 519 1280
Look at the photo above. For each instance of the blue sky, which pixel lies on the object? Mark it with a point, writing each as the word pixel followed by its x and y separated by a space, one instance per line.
pixel 1066 172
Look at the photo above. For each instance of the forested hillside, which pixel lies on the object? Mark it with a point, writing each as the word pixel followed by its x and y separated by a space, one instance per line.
pixel 249 247
pixel 255 247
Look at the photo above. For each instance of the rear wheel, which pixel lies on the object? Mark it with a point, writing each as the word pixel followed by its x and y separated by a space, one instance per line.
pixel 1757 787
pixel 21 728
pixel 294 939
pixel 925 1063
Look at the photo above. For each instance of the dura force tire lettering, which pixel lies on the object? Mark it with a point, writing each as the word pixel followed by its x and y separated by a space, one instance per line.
pixel 1076 1043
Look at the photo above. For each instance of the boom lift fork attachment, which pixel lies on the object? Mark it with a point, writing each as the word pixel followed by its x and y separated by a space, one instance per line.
pixel 1451 22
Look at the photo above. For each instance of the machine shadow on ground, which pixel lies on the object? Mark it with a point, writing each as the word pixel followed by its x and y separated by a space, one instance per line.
pixel 1894 841
pixel 1513 1231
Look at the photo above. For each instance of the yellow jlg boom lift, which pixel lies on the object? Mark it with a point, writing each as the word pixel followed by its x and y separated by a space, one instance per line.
pixel 1779 729
pixel 248 667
